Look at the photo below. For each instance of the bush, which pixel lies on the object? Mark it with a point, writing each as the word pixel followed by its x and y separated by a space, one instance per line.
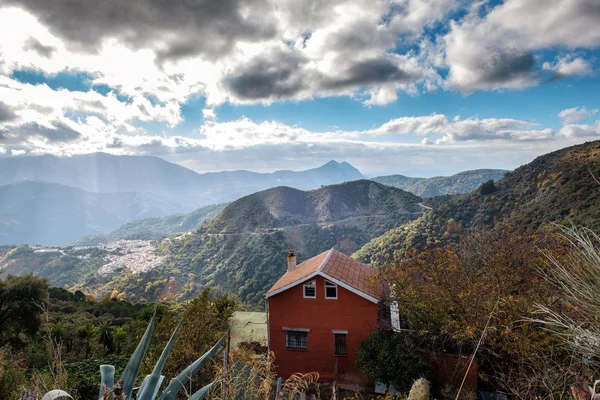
pixel 390 358
pixel 487 188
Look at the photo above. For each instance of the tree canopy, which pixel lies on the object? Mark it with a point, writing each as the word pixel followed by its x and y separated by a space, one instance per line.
pixel 20 301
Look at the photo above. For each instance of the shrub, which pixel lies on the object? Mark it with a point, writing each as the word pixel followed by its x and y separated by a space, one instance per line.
pixel 390 358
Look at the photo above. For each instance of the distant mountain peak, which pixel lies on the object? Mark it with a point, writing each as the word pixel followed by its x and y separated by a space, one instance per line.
pixel 341 166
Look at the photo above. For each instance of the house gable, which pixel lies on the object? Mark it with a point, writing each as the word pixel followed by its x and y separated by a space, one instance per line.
pixel 336 267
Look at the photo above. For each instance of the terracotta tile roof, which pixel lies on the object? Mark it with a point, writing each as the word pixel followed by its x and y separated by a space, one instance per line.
pixel 352 273
pixel 334 265
pixel 302 271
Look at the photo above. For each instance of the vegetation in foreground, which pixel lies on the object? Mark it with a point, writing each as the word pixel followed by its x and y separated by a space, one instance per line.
pixel 76 334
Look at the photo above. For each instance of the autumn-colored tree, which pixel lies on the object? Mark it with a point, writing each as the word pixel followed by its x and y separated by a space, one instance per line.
pixel 447 296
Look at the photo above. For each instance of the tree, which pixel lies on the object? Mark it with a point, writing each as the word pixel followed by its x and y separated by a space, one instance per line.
pixel 20 300
pixel 391 358
pixel 204 319
pixel 487 187
pixel 106 337
pixel 448 294
pixel 86 333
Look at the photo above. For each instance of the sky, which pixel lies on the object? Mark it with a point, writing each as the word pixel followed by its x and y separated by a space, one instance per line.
pixel 418 87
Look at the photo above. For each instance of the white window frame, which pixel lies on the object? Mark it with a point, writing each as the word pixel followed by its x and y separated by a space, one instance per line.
pixel 336 290
pixel 314 282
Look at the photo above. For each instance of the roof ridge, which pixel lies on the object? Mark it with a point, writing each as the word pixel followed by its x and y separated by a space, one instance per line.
pixel 325 260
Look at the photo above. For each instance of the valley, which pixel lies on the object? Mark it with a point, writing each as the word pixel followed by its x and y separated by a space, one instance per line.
pixel 239 247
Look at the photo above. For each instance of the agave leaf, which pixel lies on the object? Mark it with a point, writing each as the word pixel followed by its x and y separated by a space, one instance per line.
pixel 153 381
pixel 145 382
pixel 58 394
pixel 203 391
pixel 133 365
pixel 177 383
pixel 107 378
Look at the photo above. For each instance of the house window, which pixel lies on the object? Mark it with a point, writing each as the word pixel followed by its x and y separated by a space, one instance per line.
pixel 330 290
pixel 296 340
pixel 310 290
pixel 339 347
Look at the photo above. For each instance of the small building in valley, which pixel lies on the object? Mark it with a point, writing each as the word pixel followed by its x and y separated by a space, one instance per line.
pixel 318 312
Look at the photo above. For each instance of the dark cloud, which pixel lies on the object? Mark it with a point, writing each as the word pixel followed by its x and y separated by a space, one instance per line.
pixel 60 133
pixel 41 109
pixel 288 74
pixel 117 143
pixel 6 113
pixel 176 28
pixel 278 75
pixel 368 72
pixel 38 47
pixel 506 67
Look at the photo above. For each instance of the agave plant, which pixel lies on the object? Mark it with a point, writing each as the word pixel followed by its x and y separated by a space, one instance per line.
pixel 149 389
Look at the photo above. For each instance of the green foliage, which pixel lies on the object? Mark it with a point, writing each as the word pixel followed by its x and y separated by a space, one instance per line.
pixel 392 359
pixel 156 228
pixel 487 187
pixel 150 386
pixel 12 375
pixel 20 301
pixel 463 182
pixel 554 188
pixel 83 375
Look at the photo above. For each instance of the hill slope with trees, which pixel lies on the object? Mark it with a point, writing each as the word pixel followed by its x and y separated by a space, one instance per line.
pixel 463 182
pixel 241 251
pixel 558 187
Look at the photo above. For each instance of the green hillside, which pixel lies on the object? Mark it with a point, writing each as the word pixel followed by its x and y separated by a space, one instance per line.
pixel 156 228
pixel 241 251
pixel 554 188
pixel 463 182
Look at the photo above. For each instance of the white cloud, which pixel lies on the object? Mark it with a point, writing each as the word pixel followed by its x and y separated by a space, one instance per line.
pixel 570 115
pixel 245 133
pixel 569 66
pixel 209 113
pixel 496 50
pixel 418 125
pixel 580 130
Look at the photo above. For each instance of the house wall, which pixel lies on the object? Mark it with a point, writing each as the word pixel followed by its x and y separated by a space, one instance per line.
pixel 349 312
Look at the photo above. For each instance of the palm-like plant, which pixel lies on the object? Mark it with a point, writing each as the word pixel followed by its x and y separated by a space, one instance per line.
pixel 106 337
pixel 86 334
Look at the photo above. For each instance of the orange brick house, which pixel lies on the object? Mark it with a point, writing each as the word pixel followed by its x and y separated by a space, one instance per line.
pixel 318 312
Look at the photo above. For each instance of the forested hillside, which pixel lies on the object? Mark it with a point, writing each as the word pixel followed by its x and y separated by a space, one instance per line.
pixel 156 228
pixel 241 251
pixel 558 187
pixel 463 182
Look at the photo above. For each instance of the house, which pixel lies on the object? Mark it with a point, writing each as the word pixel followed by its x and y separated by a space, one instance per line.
pixel 318 312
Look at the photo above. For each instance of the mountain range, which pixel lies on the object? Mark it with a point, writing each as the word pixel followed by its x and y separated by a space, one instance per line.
pixel 463 182
pixel 52 200
pixel 559 187
pixel 93 198
pixel 241 250
pixel 53 214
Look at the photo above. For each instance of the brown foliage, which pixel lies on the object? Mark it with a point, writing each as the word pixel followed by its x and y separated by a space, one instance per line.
pixel 446 296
